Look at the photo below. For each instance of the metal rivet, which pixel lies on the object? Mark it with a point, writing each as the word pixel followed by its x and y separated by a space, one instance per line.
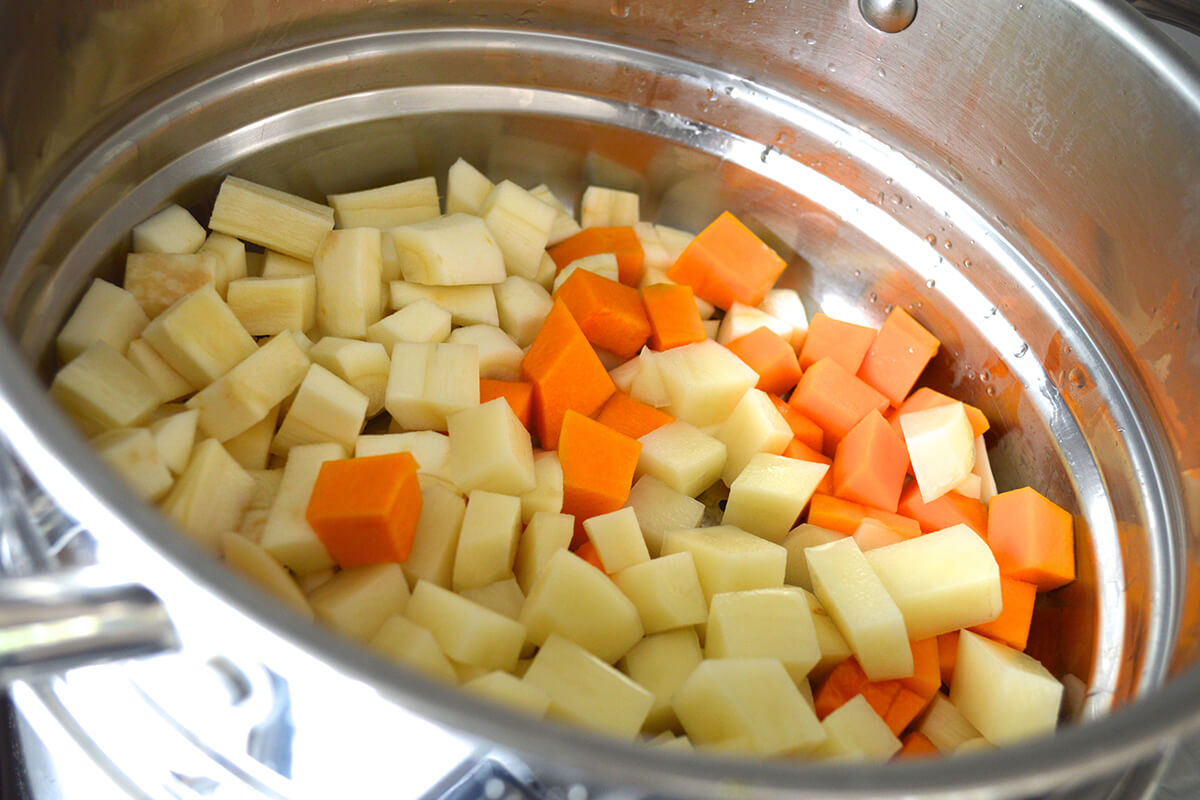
pixel 889 16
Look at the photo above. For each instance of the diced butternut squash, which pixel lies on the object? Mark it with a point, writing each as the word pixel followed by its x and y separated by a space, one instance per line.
pixel 727 263
pixel 898 355
pixel 844 342
pixel 1032 537
pixel 598 465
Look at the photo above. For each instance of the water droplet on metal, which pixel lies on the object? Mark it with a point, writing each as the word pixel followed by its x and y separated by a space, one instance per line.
pixel 873 297
pixel 967 262
pixel 985 376
pixel 1024 349
pixel 888 308
pixel 948 244
pixel 768 151
pixel 1077 377
pixel 881 72
pixel 970 374
pixel 889 16
pixel 991 312
pixel 991 391
pixel 831 67
pixel 929 237
pixel 997 160
pixel 882 197
pixel 809 39
pixel 619 8
pixel 930 283
pixel 888 181
pixel 857 272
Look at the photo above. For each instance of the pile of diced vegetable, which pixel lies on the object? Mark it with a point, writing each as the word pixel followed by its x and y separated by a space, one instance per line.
pixel 474 441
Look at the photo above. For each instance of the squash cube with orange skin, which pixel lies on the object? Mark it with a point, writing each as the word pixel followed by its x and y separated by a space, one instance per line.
pixel 1032 538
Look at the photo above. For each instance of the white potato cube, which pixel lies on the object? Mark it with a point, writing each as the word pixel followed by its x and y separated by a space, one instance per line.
pixel 522 305
pixel 545 534
pixel 349 272
pixel 1006 694
pixel 586 691
pixel 983 468
pixel 231 259
pixel 834 647
pixel 266 487
pixel 454 250
pixel 602 264
pixel 430 449
pixel 509 690
pixel 654 252
pixel 796 542
pixel 466 189
pixel 170 384
pixel 210 496
pixel 618 539
pixel 784 306
pixel 104 388
pixel 941 446
pixel 491 450
pixel 252 447
pixel 742 319
pixel 271 218
pixel 575 600
pixel 105 313
pixel 132 453
pixel 468 305
pixel 666 591
pixel 200 337
pixel 521 226
pixel 387 206
pixel 547 493
pixel 704 381
pixel 764 623
pixel 564 226
pixel 172 230
pixel 277 265
pixel 466 631
pixel 659 509
pixel 675 240
pixel 728 559
pixel 287 536
pixel 157 280
pixel 661 663
pixel 748 699
pixel 872 534
pixel 266 306
pixel 862 609
pixel 435 542
pixel 429 382
pixel 174 437
pixel 256 565
pixel 363 365
pixel 945 726
pixel 682 457
pixel 768 495
pixel 487 544
pixel 602 207
pixel 357 601
pixel 421 321
pixel 754 426
pixel 325 409
pixel 855 732
pixel 499 356
pixel 407 643
pixel 941 581
pixel 504 597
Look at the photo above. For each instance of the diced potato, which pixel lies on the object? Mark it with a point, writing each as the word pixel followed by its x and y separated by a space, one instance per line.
pixel 287 535
pixel 103 387
pixel 682 457
pixel 970 486
pixel 754 426
pixel 669 741
pixel 704 381
pixel 509 690
pixel 174 437
pixel 349 271
pixel 363 365
pixel 575 600
pixel 862 609
pixel 666 591
pixel 784 306
pixel 468 305
pixel 256 565
pixel 172 230
pixel 210 496
pixel 654 253
pixel 105 313
pixel 157 280
pixel 387 206
pixel 436 539
pixel 325 409
pixel 271 218
pixel 661 663
pixel 941 446
pixel 277 265
pixel 942 581
pixel 728 559
pixel 645 381
pixel 602 207
pixel 770 492
pixel 522 306
pixel 247 393
pixel 983 468
pixel 674 240
pixel 466 631
pixel 547 271
pixel 266 487
pixel 1006 694
pixel 751 699
pixel 602 264
pixel 454 250
pixel 487 543
pixel 499 356
pixel 231 259
pixel 659 509
pixel 855 732
pixel 945 726
pixel 421 321
pixel 430 449
pixel 586 691
pixel 796 542
pixel 429 382
pixel 742 319
pixel 357 601
pixel 545 534
pixel 833 646
pixel 618 539
pixel 200 337
pixel 872 534
pixel 521 226
pixel 504 597
pixel 266 306
pixel 491 450
pixel 564 225
pixel 252 447
pixel 170 384
pixel 132 453
pixel 407 643
pixel 466 189
pixel 547 493
pixel 764 623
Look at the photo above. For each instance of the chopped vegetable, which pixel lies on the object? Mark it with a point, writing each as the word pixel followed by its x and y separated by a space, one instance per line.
pixel 622 242
pixel 727 263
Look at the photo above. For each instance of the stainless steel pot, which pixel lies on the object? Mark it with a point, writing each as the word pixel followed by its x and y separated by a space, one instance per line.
pixel 1024 176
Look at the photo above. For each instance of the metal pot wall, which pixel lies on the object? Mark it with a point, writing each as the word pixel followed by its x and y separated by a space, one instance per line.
pixel 1025 177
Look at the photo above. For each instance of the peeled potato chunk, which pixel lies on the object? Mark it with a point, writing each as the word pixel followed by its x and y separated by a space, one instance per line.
pixel 1003 692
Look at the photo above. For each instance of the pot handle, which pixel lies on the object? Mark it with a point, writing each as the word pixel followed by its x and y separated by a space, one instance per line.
pixel 53 619
pixel 1185 15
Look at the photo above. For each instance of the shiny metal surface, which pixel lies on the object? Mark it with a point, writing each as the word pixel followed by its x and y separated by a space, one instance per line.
pixel 965 167
pixel 889 16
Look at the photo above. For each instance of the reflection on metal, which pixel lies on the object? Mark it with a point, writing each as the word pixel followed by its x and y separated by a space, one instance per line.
pixel 889 16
